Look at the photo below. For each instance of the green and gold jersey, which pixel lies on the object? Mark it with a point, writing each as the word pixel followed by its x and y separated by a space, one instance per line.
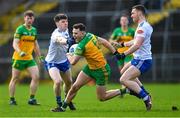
pixel 119 35
pixel 27 38
pixel 90 49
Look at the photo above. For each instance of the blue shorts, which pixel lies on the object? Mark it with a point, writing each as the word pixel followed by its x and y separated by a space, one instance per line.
pixel 142 65
pixel 61 66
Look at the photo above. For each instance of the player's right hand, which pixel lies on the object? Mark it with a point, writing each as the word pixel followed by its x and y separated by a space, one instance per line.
pixel 22 54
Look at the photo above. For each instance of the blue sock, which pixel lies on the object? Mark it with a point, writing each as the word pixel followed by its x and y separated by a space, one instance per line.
pixel 143 94
pixel 142 87
pixel 58 99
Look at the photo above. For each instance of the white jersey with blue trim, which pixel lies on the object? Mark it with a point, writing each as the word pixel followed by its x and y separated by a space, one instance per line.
pixel 145 30
pixel 57 52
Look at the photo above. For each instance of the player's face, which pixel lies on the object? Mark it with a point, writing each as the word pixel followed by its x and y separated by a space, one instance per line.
pixel 29 20
pixel 124 21
pixel 135 15
pixel 62 24
pixel 77 34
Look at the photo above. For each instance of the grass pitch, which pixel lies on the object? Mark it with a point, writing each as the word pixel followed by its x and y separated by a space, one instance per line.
pixel 164 97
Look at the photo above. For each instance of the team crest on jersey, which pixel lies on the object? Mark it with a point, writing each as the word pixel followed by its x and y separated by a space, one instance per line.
pixel 140 31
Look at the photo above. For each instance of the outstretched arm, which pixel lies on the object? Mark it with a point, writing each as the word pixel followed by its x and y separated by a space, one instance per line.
pixel 106 44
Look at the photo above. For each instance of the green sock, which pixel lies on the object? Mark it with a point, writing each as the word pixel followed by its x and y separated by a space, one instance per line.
pixel 32 96
pixel 12 98
pixel 58 100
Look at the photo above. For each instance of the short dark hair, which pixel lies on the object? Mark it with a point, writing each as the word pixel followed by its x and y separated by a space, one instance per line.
pixel 59 17
pixel 29 13
pixel 140 8
pixel 124 15
pixel 80 26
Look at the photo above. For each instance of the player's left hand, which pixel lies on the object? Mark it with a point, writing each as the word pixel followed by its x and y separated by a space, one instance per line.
pixel 61 40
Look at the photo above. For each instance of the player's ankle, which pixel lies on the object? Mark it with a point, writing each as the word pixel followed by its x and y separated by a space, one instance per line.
pixel 64 105
pixel 12 98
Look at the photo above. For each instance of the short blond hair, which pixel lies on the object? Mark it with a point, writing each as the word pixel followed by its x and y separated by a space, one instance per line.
pixel 29 13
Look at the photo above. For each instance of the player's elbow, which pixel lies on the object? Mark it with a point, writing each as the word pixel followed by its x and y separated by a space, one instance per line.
pixel 14 45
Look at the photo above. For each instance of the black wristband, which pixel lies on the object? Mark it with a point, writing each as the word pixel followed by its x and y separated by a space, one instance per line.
pixel 122 44
pixel 116 52
pixel 123 55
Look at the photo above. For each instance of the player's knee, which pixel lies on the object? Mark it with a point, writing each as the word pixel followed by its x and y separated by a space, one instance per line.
pixel 57 82
pixel 14 79
pixel 102 99
pixel 35 77
pixel 122 81
pixel 35 80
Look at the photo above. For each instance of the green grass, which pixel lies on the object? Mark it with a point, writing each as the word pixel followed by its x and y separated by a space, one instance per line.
pixel 164 97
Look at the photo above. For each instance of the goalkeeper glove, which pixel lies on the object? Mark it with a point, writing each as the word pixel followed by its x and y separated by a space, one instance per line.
pixel 119 55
